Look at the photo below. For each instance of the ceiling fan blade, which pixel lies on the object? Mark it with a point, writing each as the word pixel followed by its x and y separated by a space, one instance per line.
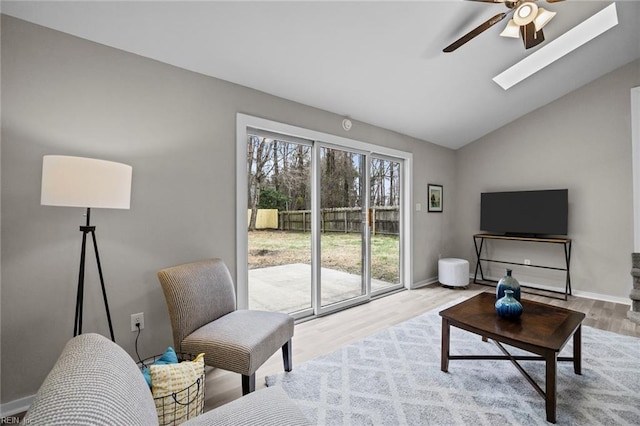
pixel 554 1
pixel 530 36
pixel 475 32
pixel 511 4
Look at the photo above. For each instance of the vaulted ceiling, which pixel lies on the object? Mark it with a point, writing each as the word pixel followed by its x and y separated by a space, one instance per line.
pixel 376 62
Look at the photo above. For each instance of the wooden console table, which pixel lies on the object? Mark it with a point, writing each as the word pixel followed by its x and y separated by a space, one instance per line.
pixel 566 242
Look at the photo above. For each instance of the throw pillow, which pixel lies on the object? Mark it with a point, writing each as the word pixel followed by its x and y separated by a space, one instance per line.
pixel 177 394
pixel 168 357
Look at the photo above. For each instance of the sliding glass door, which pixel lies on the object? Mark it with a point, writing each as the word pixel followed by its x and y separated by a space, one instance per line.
pixel 279 221
pixel 385 223
pixel 343 275
pixel 325 224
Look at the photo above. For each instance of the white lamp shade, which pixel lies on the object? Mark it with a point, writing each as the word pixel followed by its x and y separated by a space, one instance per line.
pixel 511 30
pixel 543 18
pixel 85 182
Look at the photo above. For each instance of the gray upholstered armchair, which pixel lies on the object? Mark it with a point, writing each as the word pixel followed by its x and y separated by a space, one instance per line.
pixel 202 306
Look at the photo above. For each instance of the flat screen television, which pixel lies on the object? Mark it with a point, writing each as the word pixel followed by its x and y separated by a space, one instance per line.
pixel 525 213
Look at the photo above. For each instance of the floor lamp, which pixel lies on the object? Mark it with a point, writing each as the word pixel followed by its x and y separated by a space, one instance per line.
pixel 88 183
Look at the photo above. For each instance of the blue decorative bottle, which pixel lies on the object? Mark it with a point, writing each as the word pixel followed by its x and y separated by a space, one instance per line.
pixel 508 283
pixel 508 307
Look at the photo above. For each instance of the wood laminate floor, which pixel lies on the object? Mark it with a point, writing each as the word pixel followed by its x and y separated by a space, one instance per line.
pixel 323 335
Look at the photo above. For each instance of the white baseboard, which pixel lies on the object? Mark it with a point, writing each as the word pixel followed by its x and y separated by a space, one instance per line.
pixel 579 293
pixel 18 406
pixel 424 283
pixel 605 297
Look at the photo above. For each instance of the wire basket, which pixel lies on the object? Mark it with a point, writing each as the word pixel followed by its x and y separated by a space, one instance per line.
pixel 182 405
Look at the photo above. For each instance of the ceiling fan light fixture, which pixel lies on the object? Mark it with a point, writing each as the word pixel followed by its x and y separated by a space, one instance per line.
pixel 511 30
pixel 543 18
pixel 525 13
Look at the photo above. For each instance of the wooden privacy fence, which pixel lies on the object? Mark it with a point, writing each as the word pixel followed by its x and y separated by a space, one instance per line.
pixel 384 220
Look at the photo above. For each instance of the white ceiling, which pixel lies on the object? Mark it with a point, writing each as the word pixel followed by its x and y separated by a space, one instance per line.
pixel 376 62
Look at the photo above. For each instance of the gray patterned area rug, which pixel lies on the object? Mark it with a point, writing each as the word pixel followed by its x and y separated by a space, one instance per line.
pixel 394 378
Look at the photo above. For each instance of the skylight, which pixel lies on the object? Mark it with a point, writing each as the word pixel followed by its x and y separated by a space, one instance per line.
pixel 599 23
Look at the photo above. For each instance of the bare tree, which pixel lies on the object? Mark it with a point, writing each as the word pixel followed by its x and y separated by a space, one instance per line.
pixel 341 179
pixel 258 157
pixel 284 167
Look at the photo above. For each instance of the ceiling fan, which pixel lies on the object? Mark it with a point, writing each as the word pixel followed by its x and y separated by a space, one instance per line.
pixel 527 22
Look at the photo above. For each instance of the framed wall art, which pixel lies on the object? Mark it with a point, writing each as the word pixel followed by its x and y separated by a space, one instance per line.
pixel 434 197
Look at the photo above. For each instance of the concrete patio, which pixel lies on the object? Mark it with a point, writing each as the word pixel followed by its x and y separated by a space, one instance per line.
pixel 287 288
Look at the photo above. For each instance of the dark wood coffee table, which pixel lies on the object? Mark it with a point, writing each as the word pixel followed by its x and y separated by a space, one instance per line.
pixel 542 329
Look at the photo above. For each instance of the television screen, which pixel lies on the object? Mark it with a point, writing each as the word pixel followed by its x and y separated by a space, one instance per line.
pixel 525 212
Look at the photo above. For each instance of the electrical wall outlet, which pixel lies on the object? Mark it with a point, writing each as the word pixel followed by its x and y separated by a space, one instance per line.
pixel 137 319
pixel 527 261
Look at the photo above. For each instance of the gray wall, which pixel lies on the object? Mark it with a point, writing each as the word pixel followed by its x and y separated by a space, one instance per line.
pixel 582 142
pixel 64 95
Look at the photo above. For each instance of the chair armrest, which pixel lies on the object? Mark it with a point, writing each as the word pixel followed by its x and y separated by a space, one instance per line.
pixel 264 407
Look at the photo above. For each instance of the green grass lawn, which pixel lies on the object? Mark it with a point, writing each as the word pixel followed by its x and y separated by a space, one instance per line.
pixel 338 251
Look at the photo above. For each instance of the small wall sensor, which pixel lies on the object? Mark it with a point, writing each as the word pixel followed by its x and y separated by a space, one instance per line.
pixel 346 124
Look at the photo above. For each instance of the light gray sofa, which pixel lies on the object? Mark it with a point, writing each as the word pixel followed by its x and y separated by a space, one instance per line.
pixel 95 382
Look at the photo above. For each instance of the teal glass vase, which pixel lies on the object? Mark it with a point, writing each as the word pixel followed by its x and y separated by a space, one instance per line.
pixel 508 282
pixel 508 307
